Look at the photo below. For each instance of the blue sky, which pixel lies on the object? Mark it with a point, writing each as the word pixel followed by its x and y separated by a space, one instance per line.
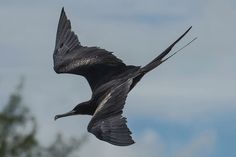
pixel 185 108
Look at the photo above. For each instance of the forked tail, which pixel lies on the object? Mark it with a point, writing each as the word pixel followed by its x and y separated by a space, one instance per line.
pixel 159 59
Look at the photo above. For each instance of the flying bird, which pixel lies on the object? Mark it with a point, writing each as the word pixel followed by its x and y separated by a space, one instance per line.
pixel 110 80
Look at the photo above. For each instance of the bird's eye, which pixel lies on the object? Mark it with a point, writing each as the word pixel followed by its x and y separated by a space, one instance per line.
pixel 61 45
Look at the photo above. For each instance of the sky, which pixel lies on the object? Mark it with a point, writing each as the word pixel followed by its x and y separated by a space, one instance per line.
pixel 184 108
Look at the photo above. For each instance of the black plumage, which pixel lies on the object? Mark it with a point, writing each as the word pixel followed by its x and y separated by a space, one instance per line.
pixel 109 78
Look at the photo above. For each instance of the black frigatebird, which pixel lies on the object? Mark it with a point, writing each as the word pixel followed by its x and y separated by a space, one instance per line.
pixel 109 78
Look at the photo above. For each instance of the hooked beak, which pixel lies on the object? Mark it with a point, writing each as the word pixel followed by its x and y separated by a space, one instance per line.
pixel 65 114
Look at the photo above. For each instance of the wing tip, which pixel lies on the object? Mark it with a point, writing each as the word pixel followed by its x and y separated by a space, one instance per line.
pixel 187 31
pixel 190 27
pixel 63 13
pixel 118 139
pixel 62 10
pixel 113 130
pixel 127 143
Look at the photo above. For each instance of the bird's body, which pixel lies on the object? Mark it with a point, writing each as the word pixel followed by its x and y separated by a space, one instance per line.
pixel 104 89
pixel 109 78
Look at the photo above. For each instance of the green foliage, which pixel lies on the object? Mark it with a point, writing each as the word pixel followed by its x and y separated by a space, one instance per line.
pixel 17 127
pixel 18 130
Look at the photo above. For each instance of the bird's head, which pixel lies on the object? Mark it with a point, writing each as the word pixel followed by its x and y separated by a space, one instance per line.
pixel 82 108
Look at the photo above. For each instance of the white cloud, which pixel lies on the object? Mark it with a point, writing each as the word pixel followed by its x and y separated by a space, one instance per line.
pixel 147 144
pixel 181 100
pixel 202 145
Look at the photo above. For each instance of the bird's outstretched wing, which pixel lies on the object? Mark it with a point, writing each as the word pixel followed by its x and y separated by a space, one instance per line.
pixel 94 63
pixel 107 123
